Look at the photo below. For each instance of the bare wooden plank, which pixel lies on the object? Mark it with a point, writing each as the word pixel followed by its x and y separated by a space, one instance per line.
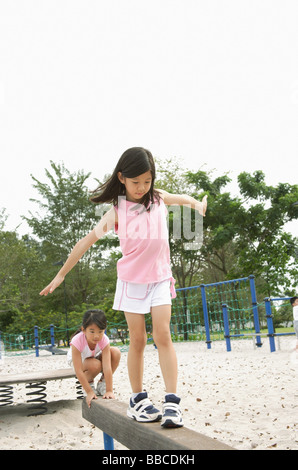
pixel 110 416
pixel 38 376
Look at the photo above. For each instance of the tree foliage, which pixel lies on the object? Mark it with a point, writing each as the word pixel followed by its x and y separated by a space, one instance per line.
pixel 242 235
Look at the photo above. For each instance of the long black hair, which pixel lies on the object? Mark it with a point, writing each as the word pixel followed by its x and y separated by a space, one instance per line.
pixel 91 317
pixel 132 163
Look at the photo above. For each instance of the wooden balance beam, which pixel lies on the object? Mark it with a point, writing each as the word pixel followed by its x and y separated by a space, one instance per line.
pixel 110 416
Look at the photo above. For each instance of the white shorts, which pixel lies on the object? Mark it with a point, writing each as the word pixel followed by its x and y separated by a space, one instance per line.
pixel 139 298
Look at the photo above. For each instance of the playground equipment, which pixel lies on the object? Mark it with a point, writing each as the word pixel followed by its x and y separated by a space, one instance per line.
pixel 29 341
pixel 197 311
pixel 36 384
pixel 110 416
pixel 209 312
pixel 269 317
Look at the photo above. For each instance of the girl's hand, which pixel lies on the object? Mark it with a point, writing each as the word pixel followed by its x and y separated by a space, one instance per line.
pixel 201 207
pixel 204 205
pixel 52 286
pixel 109 395
pixel 90 396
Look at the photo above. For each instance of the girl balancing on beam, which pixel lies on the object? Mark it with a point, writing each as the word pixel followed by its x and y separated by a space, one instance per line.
pixel 145 283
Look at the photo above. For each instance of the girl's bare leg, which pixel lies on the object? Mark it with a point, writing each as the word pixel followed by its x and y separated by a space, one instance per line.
pixel 161 317
pixel 135 357
pixel 115 358
pixel 92 367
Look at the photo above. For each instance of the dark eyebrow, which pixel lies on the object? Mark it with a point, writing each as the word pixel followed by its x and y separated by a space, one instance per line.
pixel 146 181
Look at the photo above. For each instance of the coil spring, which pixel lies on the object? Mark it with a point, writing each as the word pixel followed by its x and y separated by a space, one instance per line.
pixel 39 398
pixel 79 389
pixel 6 394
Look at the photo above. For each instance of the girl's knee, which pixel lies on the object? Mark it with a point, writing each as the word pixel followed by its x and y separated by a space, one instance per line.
pixel 162 338
pixel 115 354
pixel 93 366
pixel 115 351
pixel 138 342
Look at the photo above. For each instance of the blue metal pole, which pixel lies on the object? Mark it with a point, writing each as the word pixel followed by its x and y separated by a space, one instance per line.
pixel 205 312
pixel 270 323
pixel 226 327
pixel 36 341
pixel 226 282
pixel 255 309
pixel 280 298
pixel 108 442
pixel 52 335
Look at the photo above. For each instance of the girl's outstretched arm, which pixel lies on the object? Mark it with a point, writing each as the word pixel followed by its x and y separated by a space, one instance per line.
pixel 105 225
pixel 184 199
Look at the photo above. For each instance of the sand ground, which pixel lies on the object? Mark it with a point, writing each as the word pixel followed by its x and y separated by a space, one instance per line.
pixel 246 398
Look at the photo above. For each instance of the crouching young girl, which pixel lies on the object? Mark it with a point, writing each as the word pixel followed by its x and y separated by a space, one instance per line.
pixel 91 353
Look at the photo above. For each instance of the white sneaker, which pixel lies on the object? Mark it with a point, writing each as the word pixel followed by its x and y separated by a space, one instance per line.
pixel 101 387
pixel 142 410
pixel 172 416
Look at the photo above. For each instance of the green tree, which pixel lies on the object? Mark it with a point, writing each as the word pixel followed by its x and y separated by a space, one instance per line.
pixel 67 216
pixel 186 263
pixel 263 244
pixel 21 268
pixel 248 231
pixel 243 234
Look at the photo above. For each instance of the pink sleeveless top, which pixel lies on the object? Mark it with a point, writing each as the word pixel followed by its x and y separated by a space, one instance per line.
pixel 144 243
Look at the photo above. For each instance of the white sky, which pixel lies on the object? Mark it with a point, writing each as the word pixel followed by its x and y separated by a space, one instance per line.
pixel 210 81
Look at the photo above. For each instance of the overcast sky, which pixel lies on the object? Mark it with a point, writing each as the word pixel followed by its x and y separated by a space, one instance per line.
pixel 213 82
